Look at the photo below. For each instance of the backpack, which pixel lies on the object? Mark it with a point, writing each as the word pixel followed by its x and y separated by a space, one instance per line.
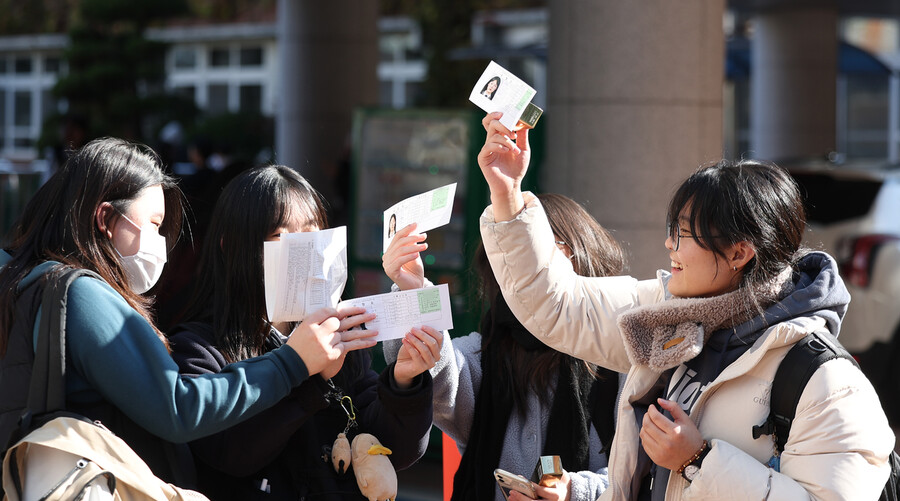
pixel 800 363
pixel 98 459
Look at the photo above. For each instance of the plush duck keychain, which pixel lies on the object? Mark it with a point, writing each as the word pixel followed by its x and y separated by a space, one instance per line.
pixel 374 472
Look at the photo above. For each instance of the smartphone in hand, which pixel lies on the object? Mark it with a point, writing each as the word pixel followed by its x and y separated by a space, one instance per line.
pixel 509 482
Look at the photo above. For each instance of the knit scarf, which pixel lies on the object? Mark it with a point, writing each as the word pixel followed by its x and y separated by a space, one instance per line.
pixel 570 416
pixel 664 335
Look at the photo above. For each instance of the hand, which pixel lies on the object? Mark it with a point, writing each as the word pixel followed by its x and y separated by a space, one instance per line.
pixel 351 317
pixel 504 160
pixel 669 443
pixel 421 349
pixel 402 262
pixel 318 342
pixel 559 491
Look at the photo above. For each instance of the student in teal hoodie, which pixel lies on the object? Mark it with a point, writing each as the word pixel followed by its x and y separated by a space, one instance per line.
pixel 112 210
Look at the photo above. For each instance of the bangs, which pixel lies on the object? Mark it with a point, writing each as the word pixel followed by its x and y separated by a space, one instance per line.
pixel 703 203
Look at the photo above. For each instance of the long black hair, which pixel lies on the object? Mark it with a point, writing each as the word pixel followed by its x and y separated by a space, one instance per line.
pixel 58 223
pixel 753 201
pixel 231 286
pixel 594 253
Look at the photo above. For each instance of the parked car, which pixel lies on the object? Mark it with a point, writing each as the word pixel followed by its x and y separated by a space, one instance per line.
pixel 854 215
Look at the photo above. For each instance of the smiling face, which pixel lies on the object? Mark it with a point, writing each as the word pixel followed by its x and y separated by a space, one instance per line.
pixel 698 272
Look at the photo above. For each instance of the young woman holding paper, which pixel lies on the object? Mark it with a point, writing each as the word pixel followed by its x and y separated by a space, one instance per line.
pixel 505 397
pixel 702 341
pixel 278 454
pixel 112 210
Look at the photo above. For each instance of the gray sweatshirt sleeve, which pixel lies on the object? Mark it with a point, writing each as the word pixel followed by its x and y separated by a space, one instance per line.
pixel 457 377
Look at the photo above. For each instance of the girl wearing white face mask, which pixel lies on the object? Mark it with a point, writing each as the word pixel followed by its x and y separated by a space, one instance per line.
pixel 111 210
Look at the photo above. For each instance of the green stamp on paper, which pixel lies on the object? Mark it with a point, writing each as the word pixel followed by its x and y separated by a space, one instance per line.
pixel 429 300
pixel 439 198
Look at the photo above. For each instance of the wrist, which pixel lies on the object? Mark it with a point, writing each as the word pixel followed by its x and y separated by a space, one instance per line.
pixel 507 205
pixel 691 467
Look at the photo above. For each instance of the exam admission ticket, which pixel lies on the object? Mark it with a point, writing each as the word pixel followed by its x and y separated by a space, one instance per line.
pixel 397 312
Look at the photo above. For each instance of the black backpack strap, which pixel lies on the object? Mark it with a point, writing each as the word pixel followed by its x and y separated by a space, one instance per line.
pixel 47 390
pixel 800 363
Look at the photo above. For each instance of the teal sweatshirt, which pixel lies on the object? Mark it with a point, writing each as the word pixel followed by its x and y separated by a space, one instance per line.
pixel 113 354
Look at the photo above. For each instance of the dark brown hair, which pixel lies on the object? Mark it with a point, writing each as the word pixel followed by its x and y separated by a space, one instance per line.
pixel 58 223
pixel 595 253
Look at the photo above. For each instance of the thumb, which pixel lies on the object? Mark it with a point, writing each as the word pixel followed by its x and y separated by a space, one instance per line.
pixel 522 139
pixel 678 414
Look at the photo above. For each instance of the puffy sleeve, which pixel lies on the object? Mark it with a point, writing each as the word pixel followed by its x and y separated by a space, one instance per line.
pixel 573 314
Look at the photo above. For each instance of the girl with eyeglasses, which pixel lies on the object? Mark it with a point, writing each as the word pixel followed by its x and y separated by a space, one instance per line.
pixel 700 342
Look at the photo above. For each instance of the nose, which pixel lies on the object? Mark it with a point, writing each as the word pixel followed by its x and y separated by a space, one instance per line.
pixel 670 243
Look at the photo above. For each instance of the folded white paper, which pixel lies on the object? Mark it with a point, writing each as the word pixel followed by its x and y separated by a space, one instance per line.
pixel 304 272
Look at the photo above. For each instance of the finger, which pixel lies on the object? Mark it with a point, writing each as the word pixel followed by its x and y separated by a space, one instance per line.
pixel 522 139
pixel 662 422
pixel 345 310
pixel 431 345
pixel 490 117
pixel 420 348
pixel 319 315
pixel 330 324
pixel 355 321
pixel 355 334
pixel 434 334
pixel 677 412
pixel 360 344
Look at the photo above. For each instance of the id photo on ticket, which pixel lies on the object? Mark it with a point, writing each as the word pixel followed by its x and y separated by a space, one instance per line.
pixel 499 90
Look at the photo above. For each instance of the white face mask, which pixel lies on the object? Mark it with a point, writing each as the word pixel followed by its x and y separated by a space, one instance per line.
pixel 144 267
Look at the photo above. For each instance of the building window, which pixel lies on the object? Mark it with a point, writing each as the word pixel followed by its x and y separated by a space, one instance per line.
pixel 23 65
pixel 217 99
pixel 251 98
pixel 2 116
pixel 218 57
pixel 22 108
pixel 48 103
pixel 2 65
pixel 251 56
pixel 51 65
pixel 184 58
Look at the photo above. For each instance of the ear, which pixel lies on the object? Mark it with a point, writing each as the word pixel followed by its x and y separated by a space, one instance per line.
pixel 101 216
pixel 741 254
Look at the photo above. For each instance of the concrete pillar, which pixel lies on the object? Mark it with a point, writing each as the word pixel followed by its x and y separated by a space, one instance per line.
pixel 635 106
pixel 328 53
pixel 793 83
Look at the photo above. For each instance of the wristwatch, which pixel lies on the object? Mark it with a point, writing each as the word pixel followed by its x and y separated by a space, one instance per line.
pixel 690 469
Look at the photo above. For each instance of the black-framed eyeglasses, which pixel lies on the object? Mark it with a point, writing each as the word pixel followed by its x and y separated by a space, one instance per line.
pixel 673 231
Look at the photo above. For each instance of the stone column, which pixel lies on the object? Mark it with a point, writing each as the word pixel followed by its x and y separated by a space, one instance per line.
pixel 793 83
pixel 328 53
pixel 635 106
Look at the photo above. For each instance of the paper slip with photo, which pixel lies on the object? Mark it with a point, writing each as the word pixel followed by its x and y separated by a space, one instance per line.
pixel 428 210
pixel 500 90
pixel 397 312
pixel 304 272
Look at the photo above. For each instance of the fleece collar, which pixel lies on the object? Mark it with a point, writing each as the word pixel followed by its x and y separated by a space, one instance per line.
pixel 664 335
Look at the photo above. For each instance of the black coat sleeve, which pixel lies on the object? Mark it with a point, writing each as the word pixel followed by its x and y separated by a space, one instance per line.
pixel 400 419
pixel 254 443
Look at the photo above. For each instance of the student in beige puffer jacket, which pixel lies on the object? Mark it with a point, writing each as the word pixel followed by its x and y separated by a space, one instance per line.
pixel 701 343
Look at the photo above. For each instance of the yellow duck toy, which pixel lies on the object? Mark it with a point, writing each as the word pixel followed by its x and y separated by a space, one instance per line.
pixel 374 472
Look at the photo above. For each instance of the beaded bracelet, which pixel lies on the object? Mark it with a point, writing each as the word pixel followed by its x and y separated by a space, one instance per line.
pixel 695 457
